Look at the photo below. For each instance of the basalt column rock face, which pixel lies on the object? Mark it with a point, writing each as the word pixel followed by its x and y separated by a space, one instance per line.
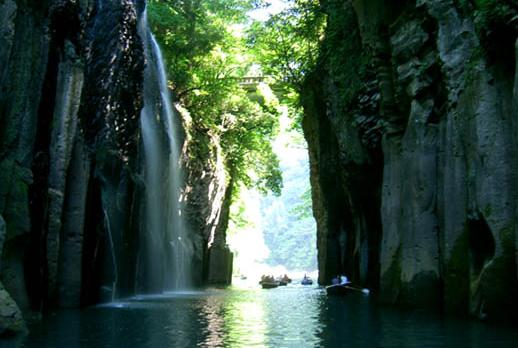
pixel 111 105
pixel 343 131
pixel 447 110
pixel 206 185
pixel 71 85
pixel 24 51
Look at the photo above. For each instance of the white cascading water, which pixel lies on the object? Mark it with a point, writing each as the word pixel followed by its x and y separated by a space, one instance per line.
pixel 169 249
pixel 114 258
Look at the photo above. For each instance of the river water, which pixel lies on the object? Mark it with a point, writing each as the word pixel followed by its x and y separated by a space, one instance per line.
pixel 292 316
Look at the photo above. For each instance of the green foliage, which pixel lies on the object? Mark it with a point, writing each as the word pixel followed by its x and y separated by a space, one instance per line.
pixel 239 217
pixel 287 45
pixel 293 49
pixel 490 13
pixel 303 209
pixel 247 130
pixel 495 22
pixel 208 55
pixel 288 226
pixel 203 50
pixel 191 32
pixel 343 53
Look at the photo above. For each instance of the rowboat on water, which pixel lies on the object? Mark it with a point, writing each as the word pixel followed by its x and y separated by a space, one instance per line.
pixel 306 280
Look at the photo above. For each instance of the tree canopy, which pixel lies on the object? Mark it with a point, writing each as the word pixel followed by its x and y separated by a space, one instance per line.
pixel 210 47
pixel 204 49
pixel 287 45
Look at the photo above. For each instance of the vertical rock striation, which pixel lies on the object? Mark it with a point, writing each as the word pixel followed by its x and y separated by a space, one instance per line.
pixel 205 194
pixel 25 34
pixel 71 158
pixel 71 85
pixel 429 202
pixel 343 130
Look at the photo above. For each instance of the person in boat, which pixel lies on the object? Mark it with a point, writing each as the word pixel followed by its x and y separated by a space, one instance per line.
pixel 335 280
pixel 344 280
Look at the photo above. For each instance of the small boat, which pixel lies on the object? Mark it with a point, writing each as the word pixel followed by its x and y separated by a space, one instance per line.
pixel 269 284
pixel 306 281
pixel 284 280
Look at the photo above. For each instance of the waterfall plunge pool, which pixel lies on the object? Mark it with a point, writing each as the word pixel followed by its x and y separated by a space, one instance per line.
pixel 292 316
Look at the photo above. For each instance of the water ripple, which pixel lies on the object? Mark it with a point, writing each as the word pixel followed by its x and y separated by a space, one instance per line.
pixel 283 317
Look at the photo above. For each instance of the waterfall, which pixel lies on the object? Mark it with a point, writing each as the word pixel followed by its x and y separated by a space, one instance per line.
pixel 166 241
pixel 114 258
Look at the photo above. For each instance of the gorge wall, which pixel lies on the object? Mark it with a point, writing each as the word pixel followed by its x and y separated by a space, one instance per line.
pixel 71 156
pixel 411 123
pixel 71 75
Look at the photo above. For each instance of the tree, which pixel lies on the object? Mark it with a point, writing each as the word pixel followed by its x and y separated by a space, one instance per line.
pixel 287 45
pixel 190 32
pixel 203 51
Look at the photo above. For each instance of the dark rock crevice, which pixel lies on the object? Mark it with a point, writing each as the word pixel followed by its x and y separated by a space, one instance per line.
pixel 92 243
pixel 481 243
pixel 36 271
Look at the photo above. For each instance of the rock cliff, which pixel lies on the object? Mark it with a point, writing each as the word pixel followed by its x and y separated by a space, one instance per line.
pixel 71 82
pixel 411 124
pixel 206 202
pixel 72 190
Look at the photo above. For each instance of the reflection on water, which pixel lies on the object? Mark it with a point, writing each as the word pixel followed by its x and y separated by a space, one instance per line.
pixel 239 312
pixel 292 316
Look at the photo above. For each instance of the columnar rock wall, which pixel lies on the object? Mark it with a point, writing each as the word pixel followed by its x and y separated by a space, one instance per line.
pixel 71 157
pixel 70 82
pixel 412 132
pixel 204 196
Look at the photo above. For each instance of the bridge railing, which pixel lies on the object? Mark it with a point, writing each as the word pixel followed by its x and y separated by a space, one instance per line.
pixel 251 80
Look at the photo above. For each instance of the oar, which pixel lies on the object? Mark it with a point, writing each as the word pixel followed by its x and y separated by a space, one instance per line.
pixel 362 290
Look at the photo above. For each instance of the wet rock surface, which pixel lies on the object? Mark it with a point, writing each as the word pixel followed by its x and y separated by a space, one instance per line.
pixel 71 158
pixel 11 320
pixel 49 169
pixel 446 199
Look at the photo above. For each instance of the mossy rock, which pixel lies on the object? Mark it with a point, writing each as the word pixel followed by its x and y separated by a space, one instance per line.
pixel 14 197
pixel 11 320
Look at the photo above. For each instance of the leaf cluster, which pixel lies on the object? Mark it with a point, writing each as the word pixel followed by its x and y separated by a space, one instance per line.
pixel 247 130
pixel 343 56
pixel 191 32
pixel 287 45
pixel 206 58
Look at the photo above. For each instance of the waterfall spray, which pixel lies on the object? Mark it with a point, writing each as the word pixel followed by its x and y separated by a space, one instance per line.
pixel 114 258
pixel 169 248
